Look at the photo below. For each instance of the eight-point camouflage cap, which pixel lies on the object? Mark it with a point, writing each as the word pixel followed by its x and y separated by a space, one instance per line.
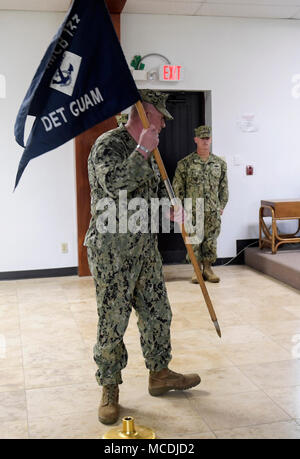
pixel 122 119
pixel 158 99
pixel 203 131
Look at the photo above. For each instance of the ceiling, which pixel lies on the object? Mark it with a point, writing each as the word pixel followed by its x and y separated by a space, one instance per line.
pixel 278 9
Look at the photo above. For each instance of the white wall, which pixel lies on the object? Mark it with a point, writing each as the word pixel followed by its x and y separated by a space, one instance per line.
pixel 41 213
pixel 248 65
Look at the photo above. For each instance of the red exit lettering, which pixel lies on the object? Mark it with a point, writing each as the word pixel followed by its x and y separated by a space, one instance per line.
pixel 171 72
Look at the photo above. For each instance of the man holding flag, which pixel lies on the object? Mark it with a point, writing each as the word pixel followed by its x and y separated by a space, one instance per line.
pixel 127 267
pixel 78 84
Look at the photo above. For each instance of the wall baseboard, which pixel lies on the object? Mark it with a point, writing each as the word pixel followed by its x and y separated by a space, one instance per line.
pixel 169 258
pixel 223 261
pixel 173 257
pixel 36 273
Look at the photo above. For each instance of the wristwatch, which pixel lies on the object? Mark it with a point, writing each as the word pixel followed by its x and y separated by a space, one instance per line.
pixel 141 147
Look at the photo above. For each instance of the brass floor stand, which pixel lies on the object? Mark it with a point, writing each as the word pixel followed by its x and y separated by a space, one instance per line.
pixel 128 431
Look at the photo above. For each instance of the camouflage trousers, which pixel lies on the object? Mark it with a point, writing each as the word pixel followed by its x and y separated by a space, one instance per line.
pixel 207 250
pixel 136 283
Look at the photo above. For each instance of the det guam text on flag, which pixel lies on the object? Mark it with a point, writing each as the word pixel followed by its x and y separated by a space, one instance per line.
pixel 65 78
pixel 62 115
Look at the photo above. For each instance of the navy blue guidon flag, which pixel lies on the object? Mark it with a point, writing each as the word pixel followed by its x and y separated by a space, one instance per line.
pixel 82 80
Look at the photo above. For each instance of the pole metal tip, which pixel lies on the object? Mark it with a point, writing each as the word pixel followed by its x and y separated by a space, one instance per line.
pixel 217 327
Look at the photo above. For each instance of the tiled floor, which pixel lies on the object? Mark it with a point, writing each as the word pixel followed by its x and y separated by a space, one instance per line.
pixel 250 378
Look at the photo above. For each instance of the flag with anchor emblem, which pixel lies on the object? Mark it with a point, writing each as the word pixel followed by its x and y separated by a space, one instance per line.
pixel 82 80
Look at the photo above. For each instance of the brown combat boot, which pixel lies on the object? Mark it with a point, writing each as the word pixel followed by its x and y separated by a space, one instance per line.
pixel 208 273
pixel 164 380
pixel 194 277
pixel 109 408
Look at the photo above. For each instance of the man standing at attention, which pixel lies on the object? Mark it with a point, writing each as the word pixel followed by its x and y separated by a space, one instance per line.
pixel 127 266
pixel 204 175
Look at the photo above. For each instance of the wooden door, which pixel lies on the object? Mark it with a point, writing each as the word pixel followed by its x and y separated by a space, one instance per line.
pixel 83 144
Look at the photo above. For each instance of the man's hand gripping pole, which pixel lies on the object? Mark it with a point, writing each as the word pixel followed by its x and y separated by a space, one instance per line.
pixel 189 247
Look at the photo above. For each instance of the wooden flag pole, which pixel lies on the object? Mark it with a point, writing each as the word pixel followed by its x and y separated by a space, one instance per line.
pixel 165 178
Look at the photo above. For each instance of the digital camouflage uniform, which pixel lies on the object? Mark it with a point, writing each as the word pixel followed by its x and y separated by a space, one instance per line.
pixel 122 119
pixel 127 268
pixel 196 178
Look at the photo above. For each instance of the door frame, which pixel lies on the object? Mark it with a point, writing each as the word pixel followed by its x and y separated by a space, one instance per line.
pixel 83 144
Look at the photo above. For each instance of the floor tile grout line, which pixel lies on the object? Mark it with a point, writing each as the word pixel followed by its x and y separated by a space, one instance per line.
pixel 22 350
pixel 271 337
pixel 256 425
pixel 273 401
pixel 252 391
pixel 246 425
pixel 54 387
pixel 74 318
pixel 257 363
pixel 277 404
pixel 46 388
pixel 187 396
pixel 25 390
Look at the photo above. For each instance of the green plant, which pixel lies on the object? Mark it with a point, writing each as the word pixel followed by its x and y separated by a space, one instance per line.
pixel 135 63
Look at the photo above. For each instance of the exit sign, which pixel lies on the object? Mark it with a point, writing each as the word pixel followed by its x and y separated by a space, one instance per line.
pixel 171 73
